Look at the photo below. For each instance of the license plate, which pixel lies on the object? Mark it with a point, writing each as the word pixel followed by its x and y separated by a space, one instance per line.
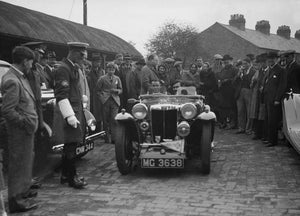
pixel 162 163
pixel 85 148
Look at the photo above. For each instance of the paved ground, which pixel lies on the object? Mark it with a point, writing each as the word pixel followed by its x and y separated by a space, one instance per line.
pixel 247 178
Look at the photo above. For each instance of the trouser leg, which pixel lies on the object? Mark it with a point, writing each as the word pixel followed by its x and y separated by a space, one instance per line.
pixel 68 161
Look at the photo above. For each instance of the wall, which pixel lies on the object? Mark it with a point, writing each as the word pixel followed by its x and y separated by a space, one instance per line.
pixel 217 39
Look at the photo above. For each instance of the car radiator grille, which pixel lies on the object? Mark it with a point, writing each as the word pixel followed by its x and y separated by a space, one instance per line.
pixel 164 123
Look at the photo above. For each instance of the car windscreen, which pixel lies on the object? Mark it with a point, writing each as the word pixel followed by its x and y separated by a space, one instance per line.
pixel 170 99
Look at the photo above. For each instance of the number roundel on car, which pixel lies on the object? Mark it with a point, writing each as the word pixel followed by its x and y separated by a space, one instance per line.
pixel 188 110
pixel 139 111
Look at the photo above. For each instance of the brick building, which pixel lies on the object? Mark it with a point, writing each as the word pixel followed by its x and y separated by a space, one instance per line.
pixel 238 41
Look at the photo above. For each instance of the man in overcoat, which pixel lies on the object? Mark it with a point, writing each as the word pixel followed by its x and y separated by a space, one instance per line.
pixel 149 73
pixel 273 92
pixel 19 110
pixel 96 72
pixel 292 73
pixel 69 120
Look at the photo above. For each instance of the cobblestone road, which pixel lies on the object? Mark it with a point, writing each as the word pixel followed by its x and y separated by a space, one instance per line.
pixel 247 178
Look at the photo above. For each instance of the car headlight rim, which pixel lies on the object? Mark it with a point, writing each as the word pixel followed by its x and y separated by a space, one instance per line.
pixel 139 111
pixel 92 124
pixel 188 111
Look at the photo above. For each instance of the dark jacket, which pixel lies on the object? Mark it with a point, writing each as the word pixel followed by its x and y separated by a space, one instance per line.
pixel 93 78
pixel 109 87
pixel 273 89
pixel 293 77
pixel 148 76
pixel 67 86
pixel 135 79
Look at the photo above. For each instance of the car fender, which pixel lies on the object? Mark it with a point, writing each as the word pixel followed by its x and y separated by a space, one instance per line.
pixel 128 120
pixel 207 116
pixel 124 116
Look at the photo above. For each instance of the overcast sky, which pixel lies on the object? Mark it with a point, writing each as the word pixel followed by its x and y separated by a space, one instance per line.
pixel 137 20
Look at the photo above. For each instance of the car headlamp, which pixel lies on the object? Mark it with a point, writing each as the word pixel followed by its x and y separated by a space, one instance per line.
pixel 139 111
pixel 188 110
pixel 92 124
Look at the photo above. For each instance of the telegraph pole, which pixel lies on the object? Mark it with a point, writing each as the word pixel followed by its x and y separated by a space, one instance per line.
pixel 84 12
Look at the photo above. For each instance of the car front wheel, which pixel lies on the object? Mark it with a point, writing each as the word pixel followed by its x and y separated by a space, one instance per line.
pixel 206 146
pixel 123 149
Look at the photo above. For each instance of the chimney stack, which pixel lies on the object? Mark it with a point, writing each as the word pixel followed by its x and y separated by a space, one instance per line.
pixel 238 21
pixel 284 31
pixel 263 26
pixel 297 34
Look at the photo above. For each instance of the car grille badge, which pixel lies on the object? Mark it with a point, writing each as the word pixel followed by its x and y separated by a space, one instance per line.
pixel 176 145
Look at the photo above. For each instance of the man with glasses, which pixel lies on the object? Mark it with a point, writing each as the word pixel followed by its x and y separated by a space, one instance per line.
pixel 69 121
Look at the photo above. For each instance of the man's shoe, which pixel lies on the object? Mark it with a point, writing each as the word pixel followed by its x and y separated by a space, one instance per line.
pixel 270 145
pixel 64 179
pixel 76 183
pixel 255 137
pixel 35 184
pixel 30 194
pixel 21 205
pixel 240 131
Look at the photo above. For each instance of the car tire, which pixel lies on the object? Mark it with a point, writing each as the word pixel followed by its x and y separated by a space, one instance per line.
pixel 206 146
pixel 123 149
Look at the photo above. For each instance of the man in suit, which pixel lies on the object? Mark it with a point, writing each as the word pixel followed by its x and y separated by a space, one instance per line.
pixel 149 73
pixel 19 110
pixel 108 88
pixel 273 91
pixel 292 73
pixel 135 78
pixel 69 121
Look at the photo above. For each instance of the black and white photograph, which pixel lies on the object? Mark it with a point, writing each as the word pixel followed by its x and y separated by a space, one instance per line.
pixel 150 108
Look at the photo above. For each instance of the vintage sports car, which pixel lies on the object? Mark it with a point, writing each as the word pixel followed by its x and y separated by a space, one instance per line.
pixel 163 131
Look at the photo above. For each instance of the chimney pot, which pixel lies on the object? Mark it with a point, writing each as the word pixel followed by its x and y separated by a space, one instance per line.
pixel 263 26
pixel 297 34
pixel 284 31
pixel 238 21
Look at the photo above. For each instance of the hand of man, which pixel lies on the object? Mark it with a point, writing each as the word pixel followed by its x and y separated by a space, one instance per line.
pixel 73 121
pixel 276 103
pixel 114 91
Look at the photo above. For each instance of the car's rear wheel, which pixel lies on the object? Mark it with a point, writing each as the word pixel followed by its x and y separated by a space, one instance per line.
pixel 206 146
pixel 123 150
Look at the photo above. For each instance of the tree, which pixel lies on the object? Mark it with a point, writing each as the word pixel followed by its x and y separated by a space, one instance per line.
pixel 174 40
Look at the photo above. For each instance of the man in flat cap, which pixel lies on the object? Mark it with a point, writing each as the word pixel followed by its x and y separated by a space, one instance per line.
pixel 19 111
pixel 227 103
pixel 292 72
pixel 124 71
pixel 257 108
pixel 69 121
pixel 217 64
pixel 273 92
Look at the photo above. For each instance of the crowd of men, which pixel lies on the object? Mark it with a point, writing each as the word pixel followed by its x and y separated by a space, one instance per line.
pixel 246 95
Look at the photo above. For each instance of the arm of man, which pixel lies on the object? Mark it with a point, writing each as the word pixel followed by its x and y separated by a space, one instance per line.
pixel 10 100
pixel 61 91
